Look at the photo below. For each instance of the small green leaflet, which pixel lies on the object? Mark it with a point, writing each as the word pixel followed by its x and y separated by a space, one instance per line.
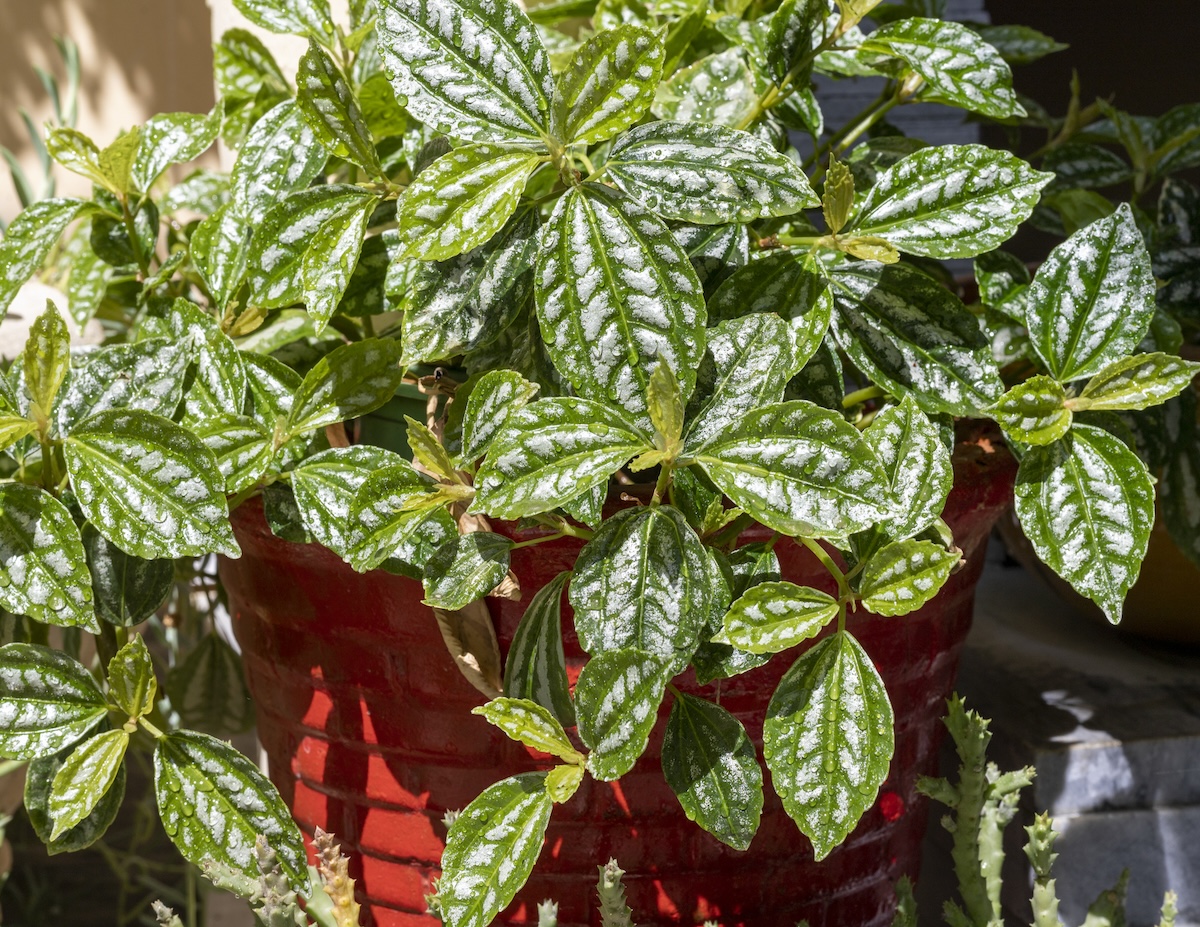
pixel 642 582
pixel 1086 503
pixel 172 138
pixel 773 616
pixel 718 89
pixel 491 849
pixel 78 154
pixel 475 69
pixel 38 778
pixel 278 265
pixel 495 397
pixel 1092 300
pixel 707 174
pixel 82 781
pixel 536 664
pixel 800 469
pixel 549 453
pixel 243 448
pixel 1034 412
pixel 48 701
pixel 615 294
pixel 43 568
pixel 428 454
pixel 466 568
pixel 27 241
pixel 1136 382
pixel 280 155
pixel 828 739
pixel 748 364
pixel 214 803
pixel 218 248
pixel 918 467
pixel 331 258
pixel 148 376
pixel 909 333
pixel 952 201
pixel 532 725
pixel 562 782
pixel 209 691
pixel 131 681
pixel 349 381
pixel 13 428
pixel 959 68
pixel 86 285
pixel 711 765
pixel 616 700
pixel 328 105
pixel 608 85
pixel 149 486
pixel 128 590
pixel 904 576
pixel 47 359
pixel 462 199
pixel 466 302
pixel 401 521
pixel 289 16
pixel 837 199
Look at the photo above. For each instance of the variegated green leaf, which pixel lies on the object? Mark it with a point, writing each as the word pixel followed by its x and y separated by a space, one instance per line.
pixel 401 521
pixel 959 67
pixel 462 199
pixel 202 191
pixel 918 469
pixel 214 804
pixel 331 257
pixel 710 764
pixel 208 689
pixel 277 261
pixel 280 155
pixel 531 724
pixel 301 17
pixel 491 848
pixel 242 446
pixel 78 154
pixel 789 36
pixel 616 700
pixel 47 700
pixel 350 381
pixel 466 302
pixel 326 487
pixel 86 285
pixel 1086 166
pixel 466 568
pixel 148 376
pixel 39 776
pixel 1002 278
pixel 608 85
pixel 131 681
pixel 43 568
pixel 128 590
pixel 116 160
pixel 13 428
pixel 616 293
pixel 172 138
pixel 1086 503
pixel 475 69
pixel 1092 300
pixel 327 104
pixel 47 360
pixel 1018 44
pixel 550 452
pixel 716 251
pixel 1136 382
pixel 641 583
pixel 219 386
pixel 1177 139
pixel 905 575
pixel 218 249
pixel 800 469
pixel 773 616
pixel 707 173
pixel 951 201
pixel 149 486
pixel 83 779
pixel 536 664
pixel 27 241
pixel 748 365
pixel 910 334
pixel 427 450
pixel 1034 412
pixel 828 739
pixel 497 395
pixel 718 89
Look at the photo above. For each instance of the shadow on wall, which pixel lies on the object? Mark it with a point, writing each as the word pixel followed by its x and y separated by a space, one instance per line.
pixel 138 57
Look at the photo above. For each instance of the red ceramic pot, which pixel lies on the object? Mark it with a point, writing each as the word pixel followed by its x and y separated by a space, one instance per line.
pixel 367 725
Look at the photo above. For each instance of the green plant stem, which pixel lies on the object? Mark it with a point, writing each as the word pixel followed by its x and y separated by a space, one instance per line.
pixel 533 542
pixel 861 123
pixel 662 484
pixel 863 395
pixel 827 561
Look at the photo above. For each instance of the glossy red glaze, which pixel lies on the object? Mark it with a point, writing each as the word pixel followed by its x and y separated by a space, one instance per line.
pixel 366 723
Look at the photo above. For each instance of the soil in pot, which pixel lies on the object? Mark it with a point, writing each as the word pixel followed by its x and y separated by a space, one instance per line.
pixel 366 723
